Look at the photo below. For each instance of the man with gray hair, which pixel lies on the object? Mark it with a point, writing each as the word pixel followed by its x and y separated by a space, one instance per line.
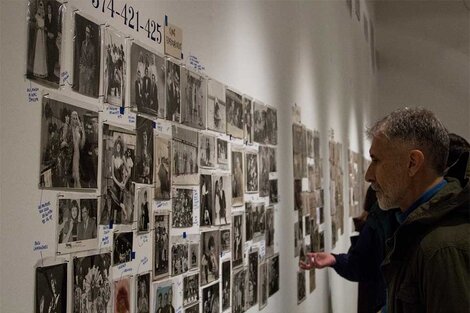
pixel 427 262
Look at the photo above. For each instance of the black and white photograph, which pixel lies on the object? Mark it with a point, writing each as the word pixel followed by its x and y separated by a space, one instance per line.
pixel 115 67
pixel 251 172
pixel 86 57
pixel 211 299
pixel 147 82
pixel 297 238
pixel 76 224
pixel 69 146
pixel 248 119
pixel 44 41
pixel 122 295
pixel 190 289
pixel 207 154
pixel 192 309
pixel 179 258
pixel 173 91
pixel 271 125
pixel 252 280
pixel 222 153
pixel 193 99
pixel 222 199
pixel 143 293
pixel 265 124
pixel 161 245
pixel 182 207
pixel 123 243
pixel 237 240
pixel 51 289
pixel 193 256
pixel 206 214
pixel 273 192
pixel 210 254
pixel 258 218
pixel 264 168
pixel 312 280
pixel 273 275
pixel 144 151
pixel 185 158
pixel 234 114
pixel 249 221
pixel 272 159
pixel 118 159
pixel 226 280
pixel 162 175
pixel 262 285
pixel 237 178
pixel 309 138
pixel 298 201
pixel 144 208
pixel 238 290
pixel 91 283
pixel 301 286
pixel 300 151
pixel 216 106
pixel 269 231
pixel 164 299
pixel 225 240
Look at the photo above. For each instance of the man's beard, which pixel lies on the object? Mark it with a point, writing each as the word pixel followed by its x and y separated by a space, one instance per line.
pixel 387 201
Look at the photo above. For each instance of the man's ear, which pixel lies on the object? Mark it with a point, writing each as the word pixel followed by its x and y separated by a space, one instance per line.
pixel 416 162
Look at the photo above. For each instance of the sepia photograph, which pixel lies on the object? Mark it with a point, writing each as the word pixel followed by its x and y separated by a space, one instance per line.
pixel 144 208
pixel 222 199
pixel 251 172
pixel 122 295
pixel 264 168
pixel 91 283
pixel 309 138
pixel 226 280
pixel 273 192
pixel 237 240
pixel 252 280
pixel 210 254
pixel 222 153
pixel 238 291
pixel 234 114
pixel 299 150
pixel 225 240
pixel 144 151
pixel 147 82
pixel 273 274
pixel 190 289
pixel 182 205
pixel 162 175
pixel 173 94
pixel 115 67
pixel 248 119
pixel 298 200
pixel 193 256
pixel 179 258
pixel 51 289
pixel 123 243
pixel 211 299
pixel 164 299
pixel 237 178
pixel 193 99
pixel 301 287
pixel 216 106
pixel 262 285
pixel 185 158
pixel 86 57
pixel 143 293
pixel 161 245
pixel 207 154
pixel 118 159
pixel 69 146
pixel 269 231
pixel 206 213
pixel 76 224
pixel 44 41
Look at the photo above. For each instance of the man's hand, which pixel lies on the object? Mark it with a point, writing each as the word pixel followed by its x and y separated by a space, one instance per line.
pixel 317 260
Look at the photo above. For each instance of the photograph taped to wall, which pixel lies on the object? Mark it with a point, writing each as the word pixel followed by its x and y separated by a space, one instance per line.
pixel 264 168
pixel 248 119
pixel 123 247
pixel 211 298
pixel 216 106
pixel 193 256
pixel 206 213
pixel 269 231
pixel 265 124
pixel 115 67
pixel 312 280
pixel 164 299
pixel 44 41
pixel 258 219
pixel 192 309
pixel 122 295
pixel 161 245
pixel 222 153
pixel 143 293
pixel 273 274
pixel 76 223
pixel 91 283
pixel 182 205
pixel 144 151
pixel 190 289
pixel 262 285
pixel 237 240
pixel 237 178
pixel 234 114
pixel 173 91
pixel 297 237
pixel 193 99
pixel 144 207
pixel 179 258
pixel 51 288
pixel 162 175
pixel 226 280
pixel 86 57
pixel 210 249
pixel 185 165
pixel 222 199
pixel 298 204
pixel 301 287
pixel 272 159
pixel 251 172
pixel 273 191
pixel 252 280
pixel 225 240
pixel 249 206
pixel 118 159
pixel 299 150
pixel 207 154
pixel 69 146
pixel 238 290
pixel 309 138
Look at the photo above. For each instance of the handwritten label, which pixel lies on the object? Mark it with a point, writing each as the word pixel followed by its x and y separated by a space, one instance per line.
pixel 194 62
pixel 131 118
pixel 64 76
pixel 45 212
pixel 121 266
pixel 173 41
pixel 38 246
pixel 32 93
pixel 144 260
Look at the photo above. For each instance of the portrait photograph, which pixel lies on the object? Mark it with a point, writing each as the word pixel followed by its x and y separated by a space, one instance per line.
pixel 190 289
pixel 222 199
pixel 211 299
pixel 249 220
pixel 69 146
pixel 252 280
pixel 298 200
pixel 210 254
pixel 237 178
pixel 301 286
pixel 251 172
pixel 226 281
pixel 123 243
pixel 144 151
pixel 269 231
pixel 193 256
pixel 164 299
pixel 173 91
pixel 182 205
pixel 91 283
pixel 262 285
pixel 143 293
pixel 179 258
pixel 264 168
pixel 206 214
pixel 86 57
pixel 238 290
pixel 216 106
pixel 237 240
pixel 115 67
pixel 162 175
pixel 118 190
pixel 259 219
pixel 51 289
pixel 44 41
pixel 271 126
pixel 147 82
pixel 193 99
pixel 122 295
pixel 161 250
pixel 273 274
pixel 144 208
pixel 272 159
pixel 273 192
pixel 265 124
pixel 234 114
pixel 185 156
pixel 76 224
pixel 225 240
pixel 207 154
pixel 248 119
pixel 299 147
pixel 222 153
